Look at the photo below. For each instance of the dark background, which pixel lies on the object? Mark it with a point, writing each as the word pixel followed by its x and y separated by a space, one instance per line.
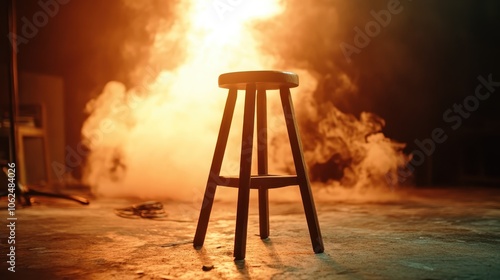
pixel 424 61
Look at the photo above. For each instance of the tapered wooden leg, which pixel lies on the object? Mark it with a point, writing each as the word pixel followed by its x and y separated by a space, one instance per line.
pixel 220 147
pixel 240 236
pixel 262 164
pixel 303 178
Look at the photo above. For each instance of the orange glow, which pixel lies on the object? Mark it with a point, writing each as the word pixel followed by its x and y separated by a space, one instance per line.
pixel 157 140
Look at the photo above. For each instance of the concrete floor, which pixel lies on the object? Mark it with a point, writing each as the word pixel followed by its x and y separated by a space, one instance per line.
pixel 428 234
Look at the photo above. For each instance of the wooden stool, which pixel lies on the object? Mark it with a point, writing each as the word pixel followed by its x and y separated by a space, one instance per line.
pixel 252 82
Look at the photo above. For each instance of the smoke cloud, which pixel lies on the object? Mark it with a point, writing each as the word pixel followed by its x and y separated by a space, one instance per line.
pixel 157 139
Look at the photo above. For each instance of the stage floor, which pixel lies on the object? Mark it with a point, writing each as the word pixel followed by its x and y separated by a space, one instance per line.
pixel 427 234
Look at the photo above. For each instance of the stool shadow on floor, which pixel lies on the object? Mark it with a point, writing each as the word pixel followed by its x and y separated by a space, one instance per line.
pixel 327 260
pixel 242 268
pixel 203 255
pixel 274 259
pixel 273 253
pixel 321 259
pixel 208 260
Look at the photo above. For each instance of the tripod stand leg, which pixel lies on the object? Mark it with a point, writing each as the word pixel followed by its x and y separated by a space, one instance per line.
pixel 75 198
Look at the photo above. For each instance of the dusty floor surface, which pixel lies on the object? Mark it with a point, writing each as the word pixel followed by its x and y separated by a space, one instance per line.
pixel 430 234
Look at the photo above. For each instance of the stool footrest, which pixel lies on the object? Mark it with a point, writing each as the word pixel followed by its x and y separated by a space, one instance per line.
pixel 260 181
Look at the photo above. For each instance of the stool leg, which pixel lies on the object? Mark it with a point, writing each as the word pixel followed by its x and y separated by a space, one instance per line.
pixel 262 165
pixel 213 177
pixel 240 236
pixel 300 167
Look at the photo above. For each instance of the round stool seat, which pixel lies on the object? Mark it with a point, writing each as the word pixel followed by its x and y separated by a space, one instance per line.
pixel 264 80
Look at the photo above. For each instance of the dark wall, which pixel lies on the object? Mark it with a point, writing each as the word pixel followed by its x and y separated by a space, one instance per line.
pixel 81 43
pixel 426 59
